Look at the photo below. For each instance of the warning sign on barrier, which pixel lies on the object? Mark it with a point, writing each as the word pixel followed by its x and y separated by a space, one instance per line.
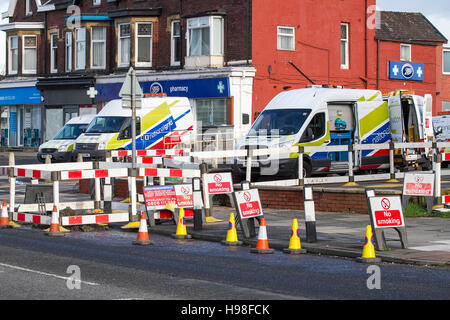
pixel 159 196
pixel 387 212
pixel 248 203
pixel 219 183
pixel 418 184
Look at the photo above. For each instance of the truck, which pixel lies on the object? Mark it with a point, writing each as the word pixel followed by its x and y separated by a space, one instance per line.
pixel 161 123
pixel 59 149
pixel 318 116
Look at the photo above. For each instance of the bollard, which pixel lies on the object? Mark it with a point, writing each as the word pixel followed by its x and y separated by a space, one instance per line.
pixel 437 183
pixel 310 215
pixel 391 163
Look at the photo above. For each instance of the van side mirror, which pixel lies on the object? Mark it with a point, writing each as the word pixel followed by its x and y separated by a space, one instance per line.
pixel 307 136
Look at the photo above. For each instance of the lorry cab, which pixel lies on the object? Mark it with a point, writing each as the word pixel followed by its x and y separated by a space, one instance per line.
pixel 318 116
pixel 411 121
pixel 60 147
pixel 161 122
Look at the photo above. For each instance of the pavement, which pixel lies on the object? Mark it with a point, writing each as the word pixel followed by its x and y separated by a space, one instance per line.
pixel 338 234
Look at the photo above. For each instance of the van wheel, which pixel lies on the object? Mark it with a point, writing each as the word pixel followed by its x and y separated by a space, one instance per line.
pixel 307 170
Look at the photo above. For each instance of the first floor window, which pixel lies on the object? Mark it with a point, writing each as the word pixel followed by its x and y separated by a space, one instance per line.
pixel 176 43
pixel 344 46
pixel 80 49
pixel 68 51
pixel 98 47
pixel 54 53
pixel 13 59
pixel 286 38
pixel 205 36
pixel 405 52
pixel 144 32
pixel 124 44
pixel 29 54
pixel 211 112
pixel 446 61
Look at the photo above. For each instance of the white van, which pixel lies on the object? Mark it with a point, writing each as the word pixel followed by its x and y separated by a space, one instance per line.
pixel 60 147
pixel 161 123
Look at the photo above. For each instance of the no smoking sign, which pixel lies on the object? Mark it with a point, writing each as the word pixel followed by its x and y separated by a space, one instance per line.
pixel 386 212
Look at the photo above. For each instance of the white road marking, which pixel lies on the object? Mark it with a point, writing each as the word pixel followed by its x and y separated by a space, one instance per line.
pixel 441 245
pixel 46 274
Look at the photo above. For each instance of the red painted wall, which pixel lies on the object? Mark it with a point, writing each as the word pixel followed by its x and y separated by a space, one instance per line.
pixel 317 45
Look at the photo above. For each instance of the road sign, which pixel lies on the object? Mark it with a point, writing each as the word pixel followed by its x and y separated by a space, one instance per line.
pixel 386 212
pixel 418 184
pixel 248 203
pixel 219 183
pixel 126 92
pixel 159 196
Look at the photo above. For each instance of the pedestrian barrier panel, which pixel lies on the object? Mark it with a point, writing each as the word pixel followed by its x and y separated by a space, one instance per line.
pixel 386 212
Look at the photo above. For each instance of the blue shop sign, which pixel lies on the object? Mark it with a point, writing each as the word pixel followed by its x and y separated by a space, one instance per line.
pixel 17 96
pixel 192 88
pixel 406 71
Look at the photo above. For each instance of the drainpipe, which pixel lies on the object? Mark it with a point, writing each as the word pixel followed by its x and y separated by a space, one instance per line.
pixel 378 64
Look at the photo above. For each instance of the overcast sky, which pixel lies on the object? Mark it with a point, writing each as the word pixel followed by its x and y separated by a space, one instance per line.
pixel 437 11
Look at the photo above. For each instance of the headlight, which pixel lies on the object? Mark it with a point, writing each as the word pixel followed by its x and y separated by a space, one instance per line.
pixel 285 144
pixel 62 149
pixel 101 146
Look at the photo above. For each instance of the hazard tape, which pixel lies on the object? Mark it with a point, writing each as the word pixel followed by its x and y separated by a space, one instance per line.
pixel 31 218
pixel 149 153
pixel 95 219
pixel 169 173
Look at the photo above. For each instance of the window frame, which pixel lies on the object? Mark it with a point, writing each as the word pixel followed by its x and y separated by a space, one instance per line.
pixel 77 55
pixel 53 53
pixel 96 2
pixel 136 45
pixel 28 11
pixel 280 34
pixel 68 52
pixel 210 25
pixel 25 71
pixel 173 40
pixel 443 61
pixel 410 52
pixel 102 67
pixel 346 65
pixel 10 69
pixel 119 46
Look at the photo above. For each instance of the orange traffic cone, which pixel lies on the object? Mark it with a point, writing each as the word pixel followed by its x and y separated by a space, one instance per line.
pixel 143 239
pixel 294 243
pixel 262 246
pixel 4 219
pixel 54 226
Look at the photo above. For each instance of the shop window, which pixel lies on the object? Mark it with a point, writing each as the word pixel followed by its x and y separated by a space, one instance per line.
pixel 13 58
pixel 285 38
pixel 80 49
pixel 29 54
pixel 54 53
pixel 211 112
pixel 124 44
pixel 68 51
pixel 205 36
pixel 446 61
pixel 175 56
pixel 344 46
pixel 144 34
pixel 405 52
pixel 98 47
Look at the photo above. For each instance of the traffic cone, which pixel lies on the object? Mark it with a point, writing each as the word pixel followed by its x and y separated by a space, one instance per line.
pixel 181 227
pixel 368 254
pixel 232 239
pixel 143 239
pixel 4 219
pixel 294 243
pixel 54 226
pixel 262 246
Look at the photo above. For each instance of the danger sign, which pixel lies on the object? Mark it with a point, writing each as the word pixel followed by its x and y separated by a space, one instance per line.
pixel 219 183
pixel 386 212
pixel 159 196
pixel 418 184
pixel 248 203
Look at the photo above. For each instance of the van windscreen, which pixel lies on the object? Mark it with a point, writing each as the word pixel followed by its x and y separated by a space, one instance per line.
pixel 281 122
pixel 106 124
pixel 71 131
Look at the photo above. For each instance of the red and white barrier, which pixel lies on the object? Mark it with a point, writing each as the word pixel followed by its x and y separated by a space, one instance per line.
pixel 32 218
pixel 94 173
pixel 149 153
pixel 169 173
pixel 95 219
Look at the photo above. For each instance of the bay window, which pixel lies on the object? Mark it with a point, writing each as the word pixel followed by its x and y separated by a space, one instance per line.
pixel 175 56
pixel 68 51
pixel 29 54
pixel 80 48
pixel 54 53
pixel 124 45
pixel 144 34
pixel 98 47
pixel 205 36
pixel 13 56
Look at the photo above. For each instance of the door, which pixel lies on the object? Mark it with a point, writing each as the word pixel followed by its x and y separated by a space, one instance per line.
pixel 373 128
pixel 395 118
